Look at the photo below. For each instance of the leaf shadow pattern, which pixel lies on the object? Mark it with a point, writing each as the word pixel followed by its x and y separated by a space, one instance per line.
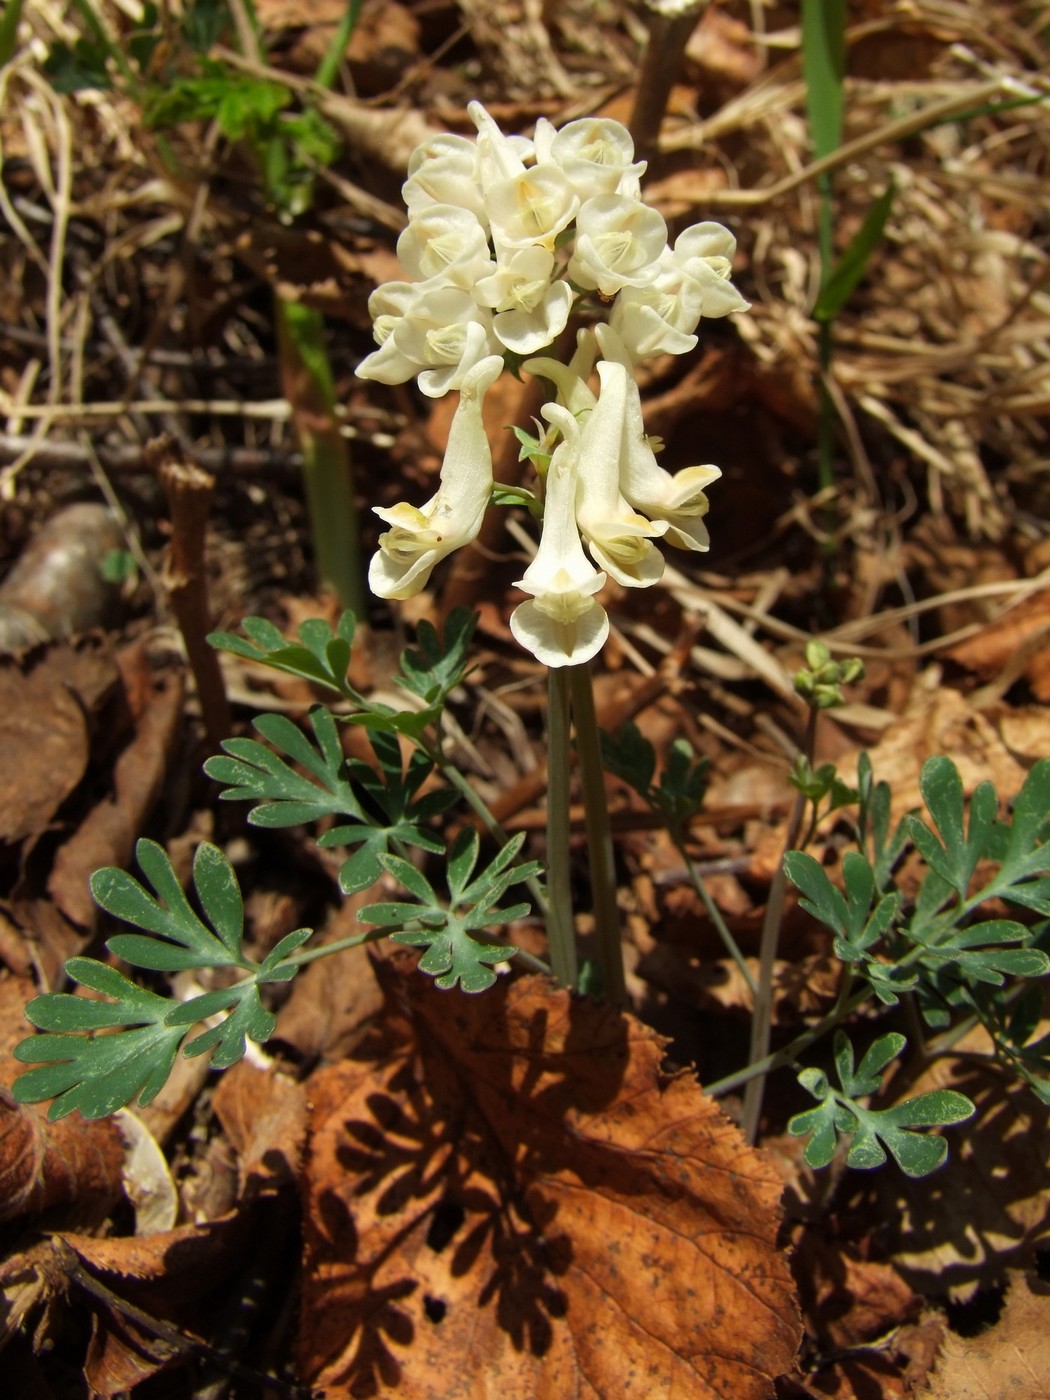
pixel 484 1189
pixel 986 1211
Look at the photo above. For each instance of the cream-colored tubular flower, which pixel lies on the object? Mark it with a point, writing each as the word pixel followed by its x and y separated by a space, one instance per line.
pixel 499 157
pixel 446 242
pixel 531 209
pixel 618 244
pixel 705 253
pixel 659 318
pixel 389 305
pixel 419 538
pixel 562 624
pixel 439 335
pixel 680 498
pixel 531 309
pixel 691 281
pixel 596 153
pixel 620 540
pixel 444 170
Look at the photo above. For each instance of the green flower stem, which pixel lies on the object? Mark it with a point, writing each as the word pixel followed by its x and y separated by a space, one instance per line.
pixel 341 945
pixel 306 376
pixel 495 829
pixel 561 933
pixel 714 913
pixel 599 837
pixel 762 1017
pixel 788 1054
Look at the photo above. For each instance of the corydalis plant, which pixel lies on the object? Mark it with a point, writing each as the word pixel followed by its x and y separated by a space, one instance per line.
pixel 509 237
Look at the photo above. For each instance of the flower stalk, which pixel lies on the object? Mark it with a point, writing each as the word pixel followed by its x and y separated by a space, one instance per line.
pixel 512 242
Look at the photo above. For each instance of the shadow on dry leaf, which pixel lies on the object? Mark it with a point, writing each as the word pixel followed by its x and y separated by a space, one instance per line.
pixel 987 1210
pixel 504 1194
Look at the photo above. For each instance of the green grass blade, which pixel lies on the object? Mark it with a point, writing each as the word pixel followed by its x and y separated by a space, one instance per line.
pixel 852 265
pixel 328 68
pixel 9 23
pixel 824 70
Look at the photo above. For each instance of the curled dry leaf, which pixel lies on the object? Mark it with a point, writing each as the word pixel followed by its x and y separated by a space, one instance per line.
pixel 107 834
pixel 152 1294
pixel 58 588
pixel 69 1163
pixel 50 704
pixel 506 1196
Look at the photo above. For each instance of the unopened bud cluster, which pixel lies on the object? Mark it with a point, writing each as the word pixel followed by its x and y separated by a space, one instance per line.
pixel 506 237
pixel 820 681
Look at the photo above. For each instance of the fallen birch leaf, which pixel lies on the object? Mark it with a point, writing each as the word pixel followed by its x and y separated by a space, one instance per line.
pixel 505 1196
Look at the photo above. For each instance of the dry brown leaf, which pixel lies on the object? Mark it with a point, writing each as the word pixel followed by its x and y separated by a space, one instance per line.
pixel 107 835
pixel 939 721
pixel 43 748
pixel 1020 638
pixel 1010 1359
pixel 71 1162
pixel 724 53
pixel 171 1276
pixel 505 1196
pixel 263 1113
pixel 1025 730
pixel 847 1300
pixel 988 1208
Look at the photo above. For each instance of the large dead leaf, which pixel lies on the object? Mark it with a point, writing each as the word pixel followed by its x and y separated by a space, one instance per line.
pixel 43 744
pixel 1012 1358
pixel 150 1294
pixel 506 1196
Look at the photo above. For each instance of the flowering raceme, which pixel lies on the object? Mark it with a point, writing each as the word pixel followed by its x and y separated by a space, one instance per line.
pixel 507 238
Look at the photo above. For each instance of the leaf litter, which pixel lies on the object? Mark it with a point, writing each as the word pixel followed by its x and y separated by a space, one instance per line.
pixel 939 513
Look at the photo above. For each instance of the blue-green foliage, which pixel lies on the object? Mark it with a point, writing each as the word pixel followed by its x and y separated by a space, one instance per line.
pixel 381 810
pixel 679 793
pixel 871 1133
pixel 446 930
pixel 96 1074
pixel 319 654
pixel 948 945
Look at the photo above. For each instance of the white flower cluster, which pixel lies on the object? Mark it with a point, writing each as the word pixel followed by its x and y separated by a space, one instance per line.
pixel 506 236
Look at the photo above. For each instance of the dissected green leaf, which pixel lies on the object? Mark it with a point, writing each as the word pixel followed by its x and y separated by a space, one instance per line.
pixel 393 816
pixel 437 664
pixel 185 941
pixel 871 1133
pixel 99 1073
pixel 255 772
pixel 454 956
pixel 630 756
pixel 320 655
